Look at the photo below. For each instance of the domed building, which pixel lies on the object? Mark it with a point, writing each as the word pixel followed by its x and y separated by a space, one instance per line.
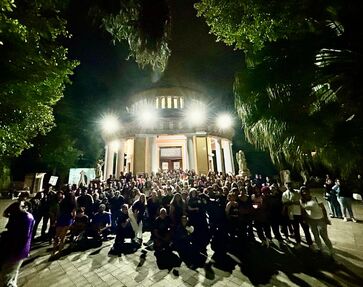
pixel 168 128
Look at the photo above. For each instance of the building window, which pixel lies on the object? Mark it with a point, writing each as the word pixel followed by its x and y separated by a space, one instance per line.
pixel 163 103
pixel 171 152
pixel 175 100
pixel 157 103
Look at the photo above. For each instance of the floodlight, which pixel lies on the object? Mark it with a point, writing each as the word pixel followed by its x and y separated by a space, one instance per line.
pixel 224 121
pixel 196 114
pixel 110 124
pixel 147 116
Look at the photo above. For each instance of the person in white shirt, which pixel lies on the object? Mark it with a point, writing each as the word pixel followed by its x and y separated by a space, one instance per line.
pixel 291 201
pixel 316 219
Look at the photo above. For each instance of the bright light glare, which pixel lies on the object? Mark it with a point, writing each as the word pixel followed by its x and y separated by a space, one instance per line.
pixel 196 114
pixel 147 116
pixel 110 124
pixel 115 145
pixel 224 121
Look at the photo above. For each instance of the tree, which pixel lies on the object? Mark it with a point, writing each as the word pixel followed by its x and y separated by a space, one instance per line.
pixel 60 153
pixel 250 24
pixel 299 95
pixel 34 71
pixel 144 24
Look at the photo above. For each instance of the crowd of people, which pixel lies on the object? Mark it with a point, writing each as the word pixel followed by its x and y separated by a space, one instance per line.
pixel 183 212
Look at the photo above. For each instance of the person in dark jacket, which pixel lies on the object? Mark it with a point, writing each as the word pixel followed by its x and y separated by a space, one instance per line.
pixel 183 244
pixel 37 210
pixel 274 210
pixel 332 199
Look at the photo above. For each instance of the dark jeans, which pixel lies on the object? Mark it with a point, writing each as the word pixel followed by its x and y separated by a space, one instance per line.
pixel 346 205
pixel 286 226
pixel 246 227
pixel 275 225
pixel 335 206
pixel 296 223
pixel 263 230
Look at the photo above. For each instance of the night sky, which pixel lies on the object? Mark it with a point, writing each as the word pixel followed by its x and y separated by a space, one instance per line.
pixel 197 61
pixel 104 81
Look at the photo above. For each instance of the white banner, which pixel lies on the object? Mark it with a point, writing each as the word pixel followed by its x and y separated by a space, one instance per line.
pixel 53 180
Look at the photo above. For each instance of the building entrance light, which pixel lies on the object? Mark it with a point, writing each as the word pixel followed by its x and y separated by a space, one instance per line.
pixel 110 124
pixel 224 121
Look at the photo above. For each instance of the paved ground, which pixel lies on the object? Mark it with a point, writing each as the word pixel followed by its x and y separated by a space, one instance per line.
pixel 254 265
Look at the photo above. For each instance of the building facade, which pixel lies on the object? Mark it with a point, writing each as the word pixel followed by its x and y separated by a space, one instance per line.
pixel 168 128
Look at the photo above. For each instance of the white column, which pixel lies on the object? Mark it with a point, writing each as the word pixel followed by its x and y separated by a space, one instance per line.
pixel 120 158
pixel 130 147
pixel 154 155
pixel 227 156
pixel 232 161
pixel 220 167
pixel 150 155
pixel 186 163
pixel 147 151
pixel 105 164
pixel 109 161
pixel 191 153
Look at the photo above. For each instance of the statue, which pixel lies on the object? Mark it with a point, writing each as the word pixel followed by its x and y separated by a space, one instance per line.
pixel 242 164
pixel 83 180
pixel 99 173
pixel 304 176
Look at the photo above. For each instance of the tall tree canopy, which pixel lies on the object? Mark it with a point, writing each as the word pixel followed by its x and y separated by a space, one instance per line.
pixel 144 24
pixel 250 24
pixel 299 98
pixel 33 70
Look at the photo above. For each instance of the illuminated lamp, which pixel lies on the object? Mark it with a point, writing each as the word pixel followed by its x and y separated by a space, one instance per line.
pixel 110 124
pixel 224 121
pixel 147 116
pixel 196 114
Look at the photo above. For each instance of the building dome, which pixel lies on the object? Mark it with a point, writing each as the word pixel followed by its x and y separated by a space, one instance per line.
pixel 168 128
pixel 166 98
